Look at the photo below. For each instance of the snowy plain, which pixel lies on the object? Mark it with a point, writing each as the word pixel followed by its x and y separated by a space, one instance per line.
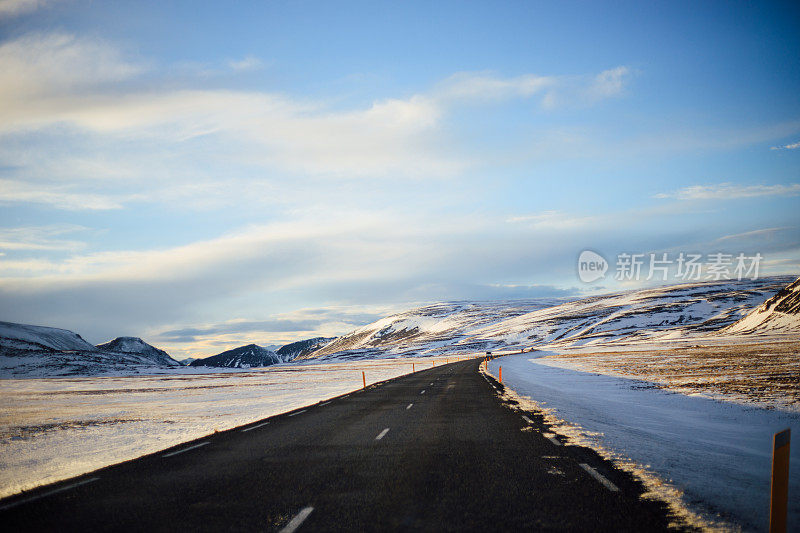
pixel 56 428
pixel 714 456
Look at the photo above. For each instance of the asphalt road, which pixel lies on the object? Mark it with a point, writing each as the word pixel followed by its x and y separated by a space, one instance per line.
pixel 437 450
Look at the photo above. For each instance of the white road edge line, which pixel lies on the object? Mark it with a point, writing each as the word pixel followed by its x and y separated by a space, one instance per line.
pixel 382 434
pixel 552 439
pixel 423 391
pixel 298 520
pixel 49 493
pixel 170 454
pixel 599 477
pixel 526 419
pixel 298 413
pixel 324 403
pixel 409 406
pixel 262 424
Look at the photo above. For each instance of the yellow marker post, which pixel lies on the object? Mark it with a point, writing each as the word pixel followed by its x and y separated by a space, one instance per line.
pixel 364 378
pixel 779 492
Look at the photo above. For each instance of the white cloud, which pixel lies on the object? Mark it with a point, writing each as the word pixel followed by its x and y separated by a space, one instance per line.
pixel 755 234
pixel 58 80
pixel 246 63
pixel 14 191
pixel 729 191
pixel 41 238
pixel 554 91
pixel 10 8
pixel 554 220
pixel 477 86
pixel 53 65
pixel 609 83
pixel 791 146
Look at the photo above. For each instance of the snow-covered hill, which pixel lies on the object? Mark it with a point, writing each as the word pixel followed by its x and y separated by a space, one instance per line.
pixel 781 313
pixel 432 329
pixel 135 345
pixel 666 313
pixel 27 337
pixel 300 348
pixel 33 351
pixel 248 356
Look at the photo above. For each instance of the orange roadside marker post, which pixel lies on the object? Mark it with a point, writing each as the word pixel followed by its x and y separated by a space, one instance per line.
pixel 364 379
pixel 501 374
pixel 779 491
pixel 412 367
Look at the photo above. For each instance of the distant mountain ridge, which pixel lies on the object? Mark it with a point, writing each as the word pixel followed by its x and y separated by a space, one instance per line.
pixel 248 356
pixel 301 348
pixel 657 314
pixel 679 313
pixel 138 346
pixel 29 337
pixel 252 355
pixel 27 350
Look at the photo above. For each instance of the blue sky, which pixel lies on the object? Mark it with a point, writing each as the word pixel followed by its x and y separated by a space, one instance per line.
pixel 207 175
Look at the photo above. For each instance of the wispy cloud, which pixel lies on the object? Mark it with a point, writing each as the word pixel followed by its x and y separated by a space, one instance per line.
pixel 791 146
pixel 60 81
pixel 38 70
pixel 245 64
pixel 755 234
pixel 478 86
pixel 14 191
pixel 554 220
pixel 10 8
pixel 729 191
pixel 553 91
pixel 41 238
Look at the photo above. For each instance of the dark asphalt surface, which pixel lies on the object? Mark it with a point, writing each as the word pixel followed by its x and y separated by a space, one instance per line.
pixel 458 459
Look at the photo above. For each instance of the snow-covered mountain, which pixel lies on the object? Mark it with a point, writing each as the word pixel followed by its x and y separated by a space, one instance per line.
pixel 135 345
pixel 32 338
pixel 27 350
pixel 781 313
pixel 428 330
pixel 248 356
pixel 675 312
pixel 300 348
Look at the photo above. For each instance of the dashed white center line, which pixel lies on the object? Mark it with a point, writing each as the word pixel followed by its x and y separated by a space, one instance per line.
pixel 551 438
pixel 298 413
pixel 599 477
pixel 431 384
pixel 382 434
pixel 170 454
pixel 262 424
pixel 298 520
pixel 423 391
pixel 526 419
pixel 49 493
pixel 409 406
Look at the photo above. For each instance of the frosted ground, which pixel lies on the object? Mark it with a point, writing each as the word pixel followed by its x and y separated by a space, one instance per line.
pixel 715 456
pixel 56 428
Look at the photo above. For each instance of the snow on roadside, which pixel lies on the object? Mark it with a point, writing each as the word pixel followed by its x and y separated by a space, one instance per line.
pixel 709 459
pixel 56 428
